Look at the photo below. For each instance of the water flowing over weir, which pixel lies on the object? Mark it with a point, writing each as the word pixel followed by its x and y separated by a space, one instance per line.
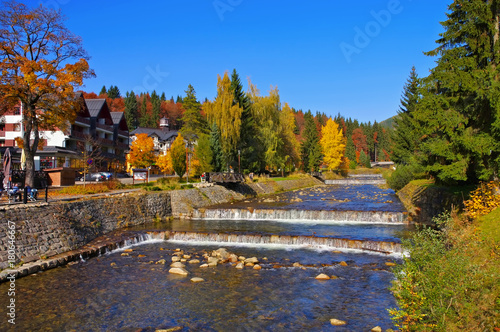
pixel 292 215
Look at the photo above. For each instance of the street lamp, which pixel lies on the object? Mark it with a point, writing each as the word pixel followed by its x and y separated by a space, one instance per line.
pixel 187 161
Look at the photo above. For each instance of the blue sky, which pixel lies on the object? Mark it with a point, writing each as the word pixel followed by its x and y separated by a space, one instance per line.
pixel 347 57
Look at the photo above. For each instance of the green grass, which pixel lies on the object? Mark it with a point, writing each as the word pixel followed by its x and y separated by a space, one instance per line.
pixel 489 225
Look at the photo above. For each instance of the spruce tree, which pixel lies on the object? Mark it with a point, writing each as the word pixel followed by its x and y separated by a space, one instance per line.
pixel 459 109
pixel 217 155
pixel 113 92
pixel 144 116
pixel 131 110
pixel 155 112
pixel 193 122
pixel 103 91
pixel 406 134
pixel 311 149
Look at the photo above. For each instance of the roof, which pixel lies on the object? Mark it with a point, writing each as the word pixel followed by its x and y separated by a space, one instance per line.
pixel 116 117
pixel 162 134
pixel 95 106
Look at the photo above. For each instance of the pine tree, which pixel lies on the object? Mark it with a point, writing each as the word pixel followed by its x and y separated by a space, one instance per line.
pixel 103 91
pixel 459 109
pixel 113 92
pixel 131 110
pixel 144 116
pixel 406 133
pixel 217 157
pixel 193 122
pixel 247 144
pixel 311 150
pixel 155 112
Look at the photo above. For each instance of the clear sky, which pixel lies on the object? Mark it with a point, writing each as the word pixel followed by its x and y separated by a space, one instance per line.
pixel 347 57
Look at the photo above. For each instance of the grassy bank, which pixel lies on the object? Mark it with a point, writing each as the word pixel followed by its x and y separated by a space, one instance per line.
pixel 451 279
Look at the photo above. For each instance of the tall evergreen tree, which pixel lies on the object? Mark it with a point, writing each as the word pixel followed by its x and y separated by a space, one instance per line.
pixel 217 155
pixel 406 134
pixel 131 110
pixel 113 92
pixel 143 111
pixel 247 144
pixel 193 122
pixel 155 112
pixel 311 149
pixel 103 91
pixel 459 113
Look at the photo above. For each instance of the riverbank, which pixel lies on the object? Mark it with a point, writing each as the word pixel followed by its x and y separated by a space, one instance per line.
pixel 43 231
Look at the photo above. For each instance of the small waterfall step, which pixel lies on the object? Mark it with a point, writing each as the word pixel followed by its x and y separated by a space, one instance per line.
pixel 290 215
pixel 384 247
pixel 359 179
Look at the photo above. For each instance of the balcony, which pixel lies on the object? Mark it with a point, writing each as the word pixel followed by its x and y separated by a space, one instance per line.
pixel 105 127
pixel 79 135
pixel 122 146
pixel 82 120
pixel 123 133
pixel 2 133
pixel 105 141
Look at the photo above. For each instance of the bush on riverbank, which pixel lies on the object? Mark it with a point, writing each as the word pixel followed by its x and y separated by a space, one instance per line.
pixel 92 188
pixel 451 279
pixel 402 175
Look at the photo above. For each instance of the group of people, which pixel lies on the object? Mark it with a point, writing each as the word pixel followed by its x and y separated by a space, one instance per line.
pixel 15 194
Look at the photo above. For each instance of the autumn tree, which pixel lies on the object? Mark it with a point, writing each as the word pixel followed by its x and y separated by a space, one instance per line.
pixel 227 116
pixel 359 140
pixel 164 162
pixel 204 153
pixel 142 151
pixel 332 144
pixel 178 151
pixel 42 63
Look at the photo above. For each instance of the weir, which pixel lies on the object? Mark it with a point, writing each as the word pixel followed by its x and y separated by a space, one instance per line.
pixel 386 217
pixel 284 240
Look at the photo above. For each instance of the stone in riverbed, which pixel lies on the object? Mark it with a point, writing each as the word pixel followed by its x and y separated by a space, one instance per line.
pixel 197 279
pixel 252 260
pixel 376 329
pixel 178 270
pixel 337 322
pixel 240 265
pixel 257 267
pixel 343 263
pixel 203 266
pixel 161 261
pixel 233 258
pixel 177 264
pixel 175 259
pixel 322 276
pixel 194 261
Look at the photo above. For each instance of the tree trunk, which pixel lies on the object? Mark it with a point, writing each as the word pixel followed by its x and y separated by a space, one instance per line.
pixel 30 125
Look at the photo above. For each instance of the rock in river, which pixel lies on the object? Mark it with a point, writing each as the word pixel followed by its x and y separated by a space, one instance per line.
pixel 178 270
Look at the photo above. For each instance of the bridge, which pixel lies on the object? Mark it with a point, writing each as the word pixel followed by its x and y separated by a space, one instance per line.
pixel 223 177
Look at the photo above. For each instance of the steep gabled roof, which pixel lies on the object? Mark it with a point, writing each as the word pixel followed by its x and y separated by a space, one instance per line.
pixel 95 106
pixel 116 117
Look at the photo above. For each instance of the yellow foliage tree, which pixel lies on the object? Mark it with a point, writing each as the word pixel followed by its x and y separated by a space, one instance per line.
pixel 332 144
pixel 36 54
pixel 164 162
pixel 142 151
pixel 227 117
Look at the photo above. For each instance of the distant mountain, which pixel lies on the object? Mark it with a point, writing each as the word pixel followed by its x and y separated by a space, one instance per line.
pixel 389 123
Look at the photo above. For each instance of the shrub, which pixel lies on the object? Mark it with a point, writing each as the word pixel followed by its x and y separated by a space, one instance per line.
pixel 402 176
pixel 482 200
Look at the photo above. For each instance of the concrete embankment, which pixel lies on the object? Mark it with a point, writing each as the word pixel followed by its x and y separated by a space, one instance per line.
pixel 43 231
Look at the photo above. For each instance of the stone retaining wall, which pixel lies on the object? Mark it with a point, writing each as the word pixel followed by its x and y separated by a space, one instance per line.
pixel 45 230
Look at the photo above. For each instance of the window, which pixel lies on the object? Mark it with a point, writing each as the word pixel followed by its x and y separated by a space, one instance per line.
pixel 17 111
pixel 17 127
pixel 2 126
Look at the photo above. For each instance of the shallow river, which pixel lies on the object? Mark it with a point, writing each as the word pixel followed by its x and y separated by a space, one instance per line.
pixel 132 293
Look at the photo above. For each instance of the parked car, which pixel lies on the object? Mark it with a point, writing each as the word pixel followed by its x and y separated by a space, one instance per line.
pixel 94 177
pixel 108 175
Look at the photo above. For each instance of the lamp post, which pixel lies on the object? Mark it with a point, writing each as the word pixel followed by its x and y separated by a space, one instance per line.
pixel 239 161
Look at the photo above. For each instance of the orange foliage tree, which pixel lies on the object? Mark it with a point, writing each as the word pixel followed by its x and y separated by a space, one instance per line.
pixel 36 61
pixel 142 152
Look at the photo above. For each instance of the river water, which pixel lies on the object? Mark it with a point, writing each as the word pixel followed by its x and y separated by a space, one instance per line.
pixel 130 291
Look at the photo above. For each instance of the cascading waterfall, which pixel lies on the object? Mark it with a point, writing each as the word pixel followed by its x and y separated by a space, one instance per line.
pixel 292 215
pixel 286 240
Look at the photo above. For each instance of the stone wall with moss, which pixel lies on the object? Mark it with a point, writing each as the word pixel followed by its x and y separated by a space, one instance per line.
pixel 424 201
